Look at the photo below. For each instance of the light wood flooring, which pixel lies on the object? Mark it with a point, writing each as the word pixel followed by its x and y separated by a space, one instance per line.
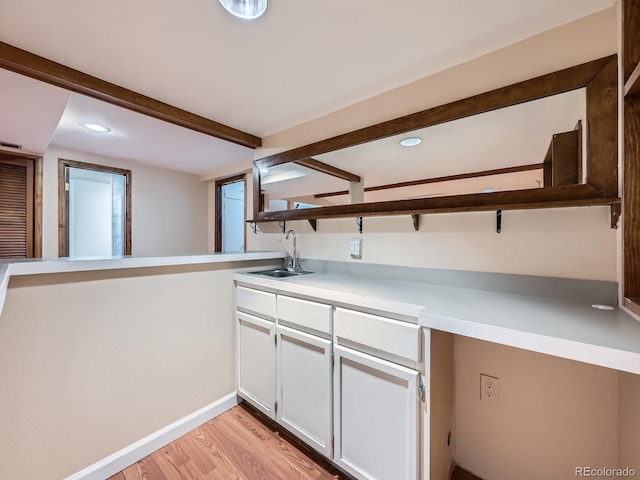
pixel 232 446
pixel 235 446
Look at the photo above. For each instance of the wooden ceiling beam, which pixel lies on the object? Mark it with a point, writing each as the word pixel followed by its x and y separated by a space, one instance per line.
pixel 31 65
pixel 319 166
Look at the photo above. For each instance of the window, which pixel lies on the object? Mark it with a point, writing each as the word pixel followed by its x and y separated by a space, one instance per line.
pixel 230 214
pixel 95 210
pixel 20 205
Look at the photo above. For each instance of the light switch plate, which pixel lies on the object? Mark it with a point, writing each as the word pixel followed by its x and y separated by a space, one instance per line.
pixel 355 248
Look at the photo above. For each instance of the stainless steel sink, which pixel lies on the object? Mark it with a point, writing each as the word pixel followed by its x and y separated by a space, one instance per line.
pixel 279 273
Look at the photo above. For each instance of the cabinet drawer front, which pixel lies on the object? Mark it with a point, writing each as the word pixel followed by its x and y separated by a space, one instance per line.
pixel 391 336
pixel 256 302
pixel 312 315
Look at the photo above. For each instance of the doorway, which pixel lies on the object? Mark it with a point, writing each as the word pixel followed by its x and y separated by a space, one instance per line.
pixel 20 204
pixel 230 214
pixel 95 210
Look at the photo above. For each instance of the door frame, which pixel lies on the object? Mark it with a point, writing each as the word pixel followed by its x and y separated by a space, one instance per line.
pixel 37 194
pixel 218 209
pixel 63 202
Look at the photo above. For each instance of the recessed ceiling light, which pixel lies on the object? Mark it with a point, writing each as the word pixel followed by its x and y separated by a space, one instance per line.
pixel 264 170
pixel 96 127
pixel 488 190
pixel 410 141
pixel 245 9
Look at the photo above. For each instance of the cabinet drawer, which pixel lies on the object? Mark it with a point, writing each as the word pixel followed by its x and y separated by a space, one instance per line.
pixel 257 302
pixel 302 313
pixel 391 336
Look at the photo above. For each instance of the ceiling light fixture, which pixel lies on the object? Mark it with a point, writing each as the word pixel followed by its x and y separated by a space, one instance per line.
pixel 245 9
pixel 96 127
pixel 488 190
pixel 410 141
pixel 264 170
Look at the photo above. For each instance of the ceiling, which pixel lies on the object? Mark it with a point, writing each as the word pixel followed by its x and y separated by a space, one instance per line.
pixel 303 59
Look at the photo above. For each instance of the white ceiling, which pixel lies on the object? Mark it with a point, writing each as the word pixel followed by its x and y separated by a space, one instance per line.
pixel 302 60
pixel 143 139
pixel 29 111
pixel 36 115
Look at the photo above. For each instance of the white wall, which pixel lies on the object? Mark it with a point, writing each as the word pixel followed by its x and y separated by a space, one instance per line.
pixel 553 414
pixel 629 421
pixel 169 208
pixel 92 362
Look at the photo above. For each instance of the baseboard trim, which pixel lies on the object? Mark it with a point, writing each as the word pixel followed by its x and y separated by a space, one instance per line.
pixel 128 456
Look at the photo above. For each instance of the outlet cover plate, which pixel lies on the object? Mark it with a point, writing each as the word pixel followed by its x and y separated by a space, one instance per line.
pixel 489 389
pixel 355 248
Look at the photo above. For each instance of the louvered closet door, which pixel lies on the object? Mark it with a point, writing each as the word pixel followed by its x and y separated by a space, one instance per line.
pixel 16 208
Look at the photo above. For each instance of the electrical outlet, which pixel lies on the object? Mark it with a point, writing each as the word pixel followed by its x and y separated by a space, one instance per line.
pixel 489 389
pixel 355 248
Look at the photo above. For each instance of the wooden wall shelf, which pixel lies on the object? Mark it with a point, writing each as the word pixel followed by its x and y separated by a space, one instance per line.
pixel 552 197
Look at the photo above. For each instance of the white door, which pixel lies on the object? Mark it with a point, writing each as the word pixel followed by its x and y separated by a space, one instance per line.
pixel 257 362
pixel 304 387
pixel 96 212
pixel 376 417
pixel 233 217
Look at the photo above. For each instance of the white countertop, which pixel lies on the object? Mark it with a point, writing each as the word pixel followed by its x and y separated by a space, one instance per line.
pixel 37 266
pixel 561 328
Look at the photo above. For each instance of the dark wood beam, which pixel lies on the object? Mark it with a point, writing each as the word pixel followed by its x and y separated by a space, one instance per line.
pixel 540 87
pixel 631 197
pixel 448 178
pixel 602 130
pixel 552 197
pixel 319 166
pixel 40 68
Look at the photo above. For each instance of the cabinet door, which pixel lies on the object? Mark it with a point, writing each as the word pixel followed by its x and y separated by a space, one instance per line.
pixel 257 362
pixel 304 387
pixel 376 417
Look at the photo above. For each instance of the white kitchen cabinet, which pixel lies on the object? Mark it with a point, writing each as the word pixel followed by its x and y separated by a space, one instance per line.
pixel 257 362
pixel 376 417
pixel 304 387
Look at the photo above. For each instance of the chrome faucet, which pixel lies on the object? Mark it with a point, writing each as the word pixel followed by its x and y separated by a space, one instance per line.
pixel 294 263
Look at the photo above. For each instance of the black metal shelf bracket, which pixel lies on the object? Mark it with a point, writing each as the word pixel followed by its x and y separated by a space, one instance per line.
pixel 499 221
pixel 359 223
pixel 416 221
pixel 616 210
